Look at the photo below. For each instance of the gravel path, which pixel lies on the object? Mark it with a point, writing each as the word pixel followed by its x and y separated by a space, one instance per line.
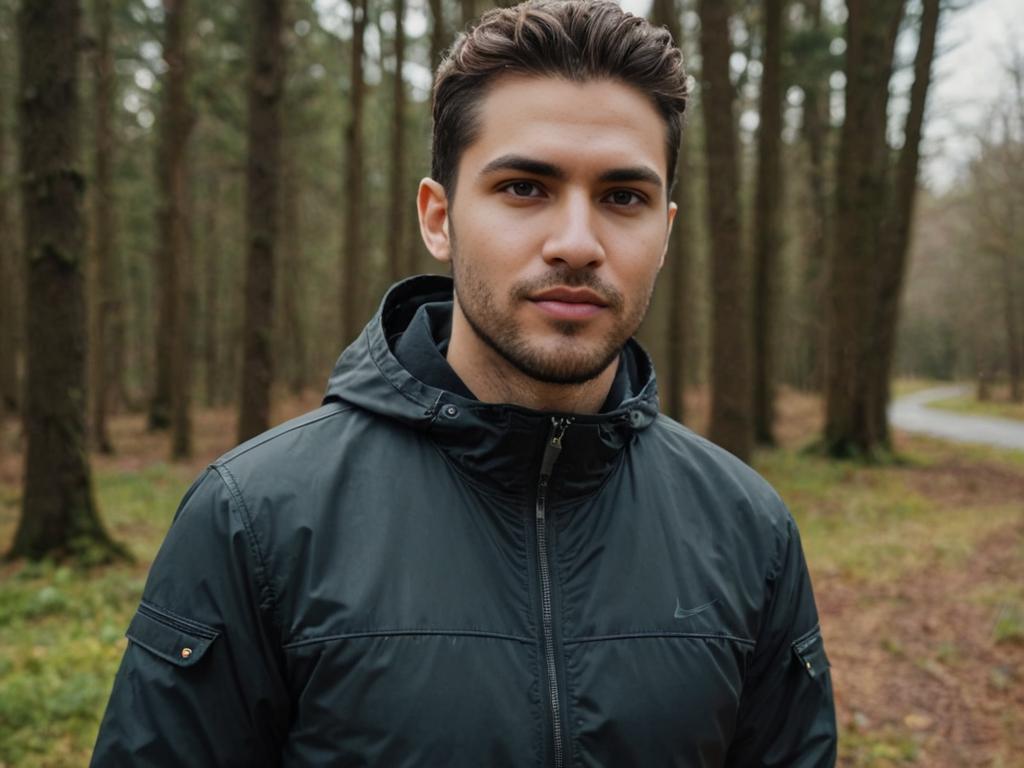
pixel 912 414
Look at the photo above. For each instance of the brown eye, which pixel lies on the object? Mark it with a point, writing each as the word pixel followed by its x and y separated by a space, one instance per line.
pixel 522 188
pixel 624 197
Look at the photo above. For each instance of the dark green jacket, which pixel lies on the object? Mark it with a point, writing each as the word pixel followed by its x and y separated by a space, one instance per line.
pixel 410 577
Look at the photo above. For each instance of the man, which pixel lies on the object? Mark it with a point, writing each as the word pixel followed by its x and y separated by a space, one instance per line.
pixel 487 548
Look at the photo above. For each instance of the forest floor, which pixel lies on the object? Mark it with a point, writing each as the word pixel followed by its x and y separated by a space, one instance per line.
pixel 918 569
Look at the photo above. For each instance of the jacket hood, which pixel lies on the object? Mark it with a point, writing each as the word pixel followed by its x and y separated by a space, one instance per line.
pixel 499 445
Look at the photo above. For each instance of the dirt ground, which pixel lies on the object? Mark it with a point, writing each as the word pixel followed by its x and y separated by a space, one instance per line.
pixel 918 660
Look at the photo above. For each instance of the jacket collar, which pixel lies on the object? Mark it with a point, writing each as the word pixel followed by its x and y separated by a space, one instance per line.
pixel 498 446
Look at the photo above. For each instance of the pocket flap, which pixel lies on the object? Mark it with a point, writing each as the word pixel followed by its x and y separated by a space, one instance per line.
pixel 810 651
pixel 181 641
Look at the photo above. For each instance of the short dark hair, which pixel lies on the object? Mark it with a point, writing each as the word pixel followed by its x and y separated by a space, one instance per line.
pixel 578 40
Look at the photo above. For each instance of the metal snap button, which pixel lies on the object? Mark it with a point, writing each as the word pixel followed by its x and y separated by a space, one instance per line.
pixel 186 652
pixel 451 411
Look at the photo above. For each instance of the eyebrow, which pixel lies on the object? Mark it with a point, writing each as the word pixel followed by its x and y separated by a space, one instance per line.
pixel 638 173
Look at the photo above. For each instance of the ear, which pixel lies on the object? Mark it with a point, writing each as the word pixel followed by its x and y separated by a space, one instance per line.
pixel 432 204
pixel 672 210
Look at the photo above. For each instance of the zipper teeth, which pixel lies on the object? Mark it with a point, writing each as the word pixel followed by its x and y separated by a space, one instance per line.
pixel 554 445
pixel 549 640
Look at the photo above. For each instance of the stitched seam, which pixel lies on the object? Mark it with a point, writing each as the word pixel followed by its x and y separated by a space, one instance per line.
pixel 407 632
pixel 176 622
pixel 802 642
pixel 260 572
pixel 268 438
pixel 649 635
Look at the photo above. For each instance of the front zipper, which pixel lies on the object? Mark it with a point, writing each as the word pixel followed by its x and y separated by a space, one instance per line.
pixel 551 451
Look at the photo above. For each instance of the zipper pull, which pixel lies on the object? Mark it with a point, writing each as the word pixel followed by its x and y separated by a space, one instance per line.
pixel 554 447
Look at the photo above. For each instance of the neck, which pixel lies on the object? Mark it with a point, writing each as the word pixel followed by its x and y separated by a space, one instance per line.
pixel 493 379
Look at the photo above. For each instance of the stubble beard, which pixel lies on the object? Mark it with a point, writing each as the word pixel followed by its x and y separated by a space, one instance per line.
pixel 565 365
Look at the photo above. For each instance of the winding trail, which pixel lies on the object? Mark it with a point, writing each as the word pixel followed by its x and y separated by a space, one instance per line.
pixel 912 414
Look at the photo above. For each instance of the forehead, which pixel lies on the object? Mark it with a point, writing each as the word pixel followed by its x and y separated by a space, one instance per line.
pixel 593 124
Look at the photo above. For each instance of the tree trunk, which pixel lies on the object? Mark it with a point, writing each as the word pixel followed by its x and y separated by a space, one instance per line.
pixel 665 13
pixel 10 279
pixel 292 338
pixel 398 197
pixel 266 91
pixel 469 12
pixel 59 517
pixel 816 261
pixel 212 372
pixel 895 253
pixel 352 255
pixel 1013 333
pixel 106 283
pixel 438 34
pixel 768 224
pixel 175 125
pixel 731 397
pixel 861 195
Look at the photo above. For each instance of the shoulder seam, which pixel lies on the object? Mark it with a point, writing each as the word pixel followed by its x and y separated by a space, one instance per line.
pixel 232 455
pixel 260 572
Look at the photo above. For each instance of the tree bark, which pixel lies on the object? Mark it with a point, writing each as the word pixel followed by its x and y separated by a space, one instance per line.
pixel 768 224
pixel 10 277
pixel 816 260
pixel 397 260
pixel 438 34
pixel 59 517
pixel 352 241
pixel 212 371
pixel 469 12
pixel 861 196
pixel 666 13
pixel 170 399
pixel 292 339
pixel 107 283
pixel 1015 365
pixel 895 253
pixel 266 91
pixel 731 397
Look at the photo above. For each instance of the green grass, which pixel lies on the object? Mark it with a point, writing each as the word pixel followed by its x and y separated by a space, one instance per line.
pixel 868 524
pixel 968 404
pixel 62 629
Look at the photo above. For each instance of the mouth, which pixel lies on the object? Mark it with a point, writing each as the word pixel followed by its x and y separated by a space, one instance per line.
pixel 569 303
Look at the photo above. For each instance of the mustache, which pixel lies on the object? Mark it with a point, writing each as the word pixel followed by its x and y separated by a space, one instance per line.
pixel 569 278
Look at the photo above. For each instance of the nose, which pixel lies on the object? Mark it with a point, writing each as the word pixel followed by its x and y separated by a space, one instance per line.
pixel 573 240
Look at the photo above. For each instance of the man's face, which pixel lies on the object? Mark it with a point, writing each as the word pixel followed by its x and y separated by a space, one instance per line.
pixel 559 224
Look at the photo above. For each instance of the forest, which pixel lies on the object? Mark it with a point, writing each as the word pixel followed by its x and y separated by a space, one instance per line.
pixel 202 203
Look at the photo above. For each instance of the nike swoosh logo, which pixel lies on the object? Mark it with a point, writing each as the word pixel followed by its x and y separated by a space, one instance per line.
pixel 685 613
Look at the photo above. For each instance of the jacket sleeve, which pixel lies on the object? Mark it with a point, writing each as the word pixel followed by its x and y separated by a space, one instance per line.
pixel 787 715
pixel 201 681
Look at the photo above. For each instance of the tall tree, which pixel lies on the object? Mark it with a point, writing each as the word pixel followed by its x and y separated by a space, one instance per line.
pixel 896 245
pixel 469 12
pixel 666 13
pixel 171 397
pixel 861 196
pixel 398 196
pixel 731 396
pixel 812 48
pixel 106 283
pixel 352 241
pixel 211 252
pixel 767 223
pixel 10 317
pixel 59 515
pixel 438 33
pixel 263 178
